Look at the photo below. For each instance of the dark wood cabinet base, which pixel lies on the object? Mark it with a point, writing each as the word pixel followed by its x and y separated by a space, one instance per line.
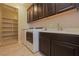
pixel 53 44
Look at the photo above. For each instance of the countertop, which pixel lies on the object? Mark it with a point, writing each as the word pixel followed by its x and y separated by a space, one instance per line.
pixel 62 32
pixel 53 31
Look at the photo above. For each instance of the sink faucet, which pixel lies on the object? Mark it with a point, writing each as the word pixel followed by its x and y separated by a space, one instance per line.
pixel 59 27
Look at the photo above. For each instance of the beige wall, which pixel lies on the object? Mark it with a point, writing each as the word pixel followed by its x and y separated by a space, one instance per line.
pixel 68 20
pixel 22 23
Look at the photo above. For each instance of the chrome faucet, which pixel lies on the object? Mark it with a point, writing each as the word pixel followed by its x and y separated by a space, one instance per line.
pixel 59 27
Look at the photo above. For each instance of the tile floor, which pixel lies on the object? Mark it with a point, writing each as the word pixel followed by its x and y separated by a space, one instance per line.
pixel 16 50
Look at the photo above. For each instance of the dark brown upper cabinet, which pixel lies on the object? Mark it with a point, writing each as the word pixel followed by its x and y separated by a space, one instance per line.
pixel 30 14
pixel 77 5
pixel 35 14
pixel 50 9
pixel 40 10
pixel 61 7
pixel 45 10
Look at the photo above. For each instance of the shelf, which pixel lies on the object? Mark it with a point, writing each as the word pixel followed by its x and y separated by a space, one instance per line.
pixel 6 32
pixel 6 27
pixel 10 31
pixel 9 19
pixel 9 24
pixel 10 27
pixel 9 36
pixel 6 23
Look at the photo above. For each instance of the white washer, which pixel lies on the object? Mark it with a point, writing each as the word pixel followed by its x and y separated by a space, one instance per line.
pixel 35 46
pixel 35 40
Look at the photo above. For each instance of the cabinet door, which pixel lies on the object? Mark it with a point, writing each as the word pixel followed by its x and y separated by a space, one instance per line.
pixel 77 5
pixel 45 14
pixel 28 16
pixel 29 37
pixel 64 49
pixel 44 45
pixel 50 9
pixel 35 12
pixel 60 7
pixel 40 10
pixel 31 13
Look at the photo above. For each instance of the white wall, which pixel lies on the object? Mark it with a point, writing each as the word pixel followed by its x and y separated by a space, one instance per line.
pixel 68 20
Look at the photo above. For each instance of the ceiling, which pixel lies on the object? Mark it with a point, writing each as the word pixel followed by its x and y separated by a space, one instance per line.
pixel 27 5
pixel 16 5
